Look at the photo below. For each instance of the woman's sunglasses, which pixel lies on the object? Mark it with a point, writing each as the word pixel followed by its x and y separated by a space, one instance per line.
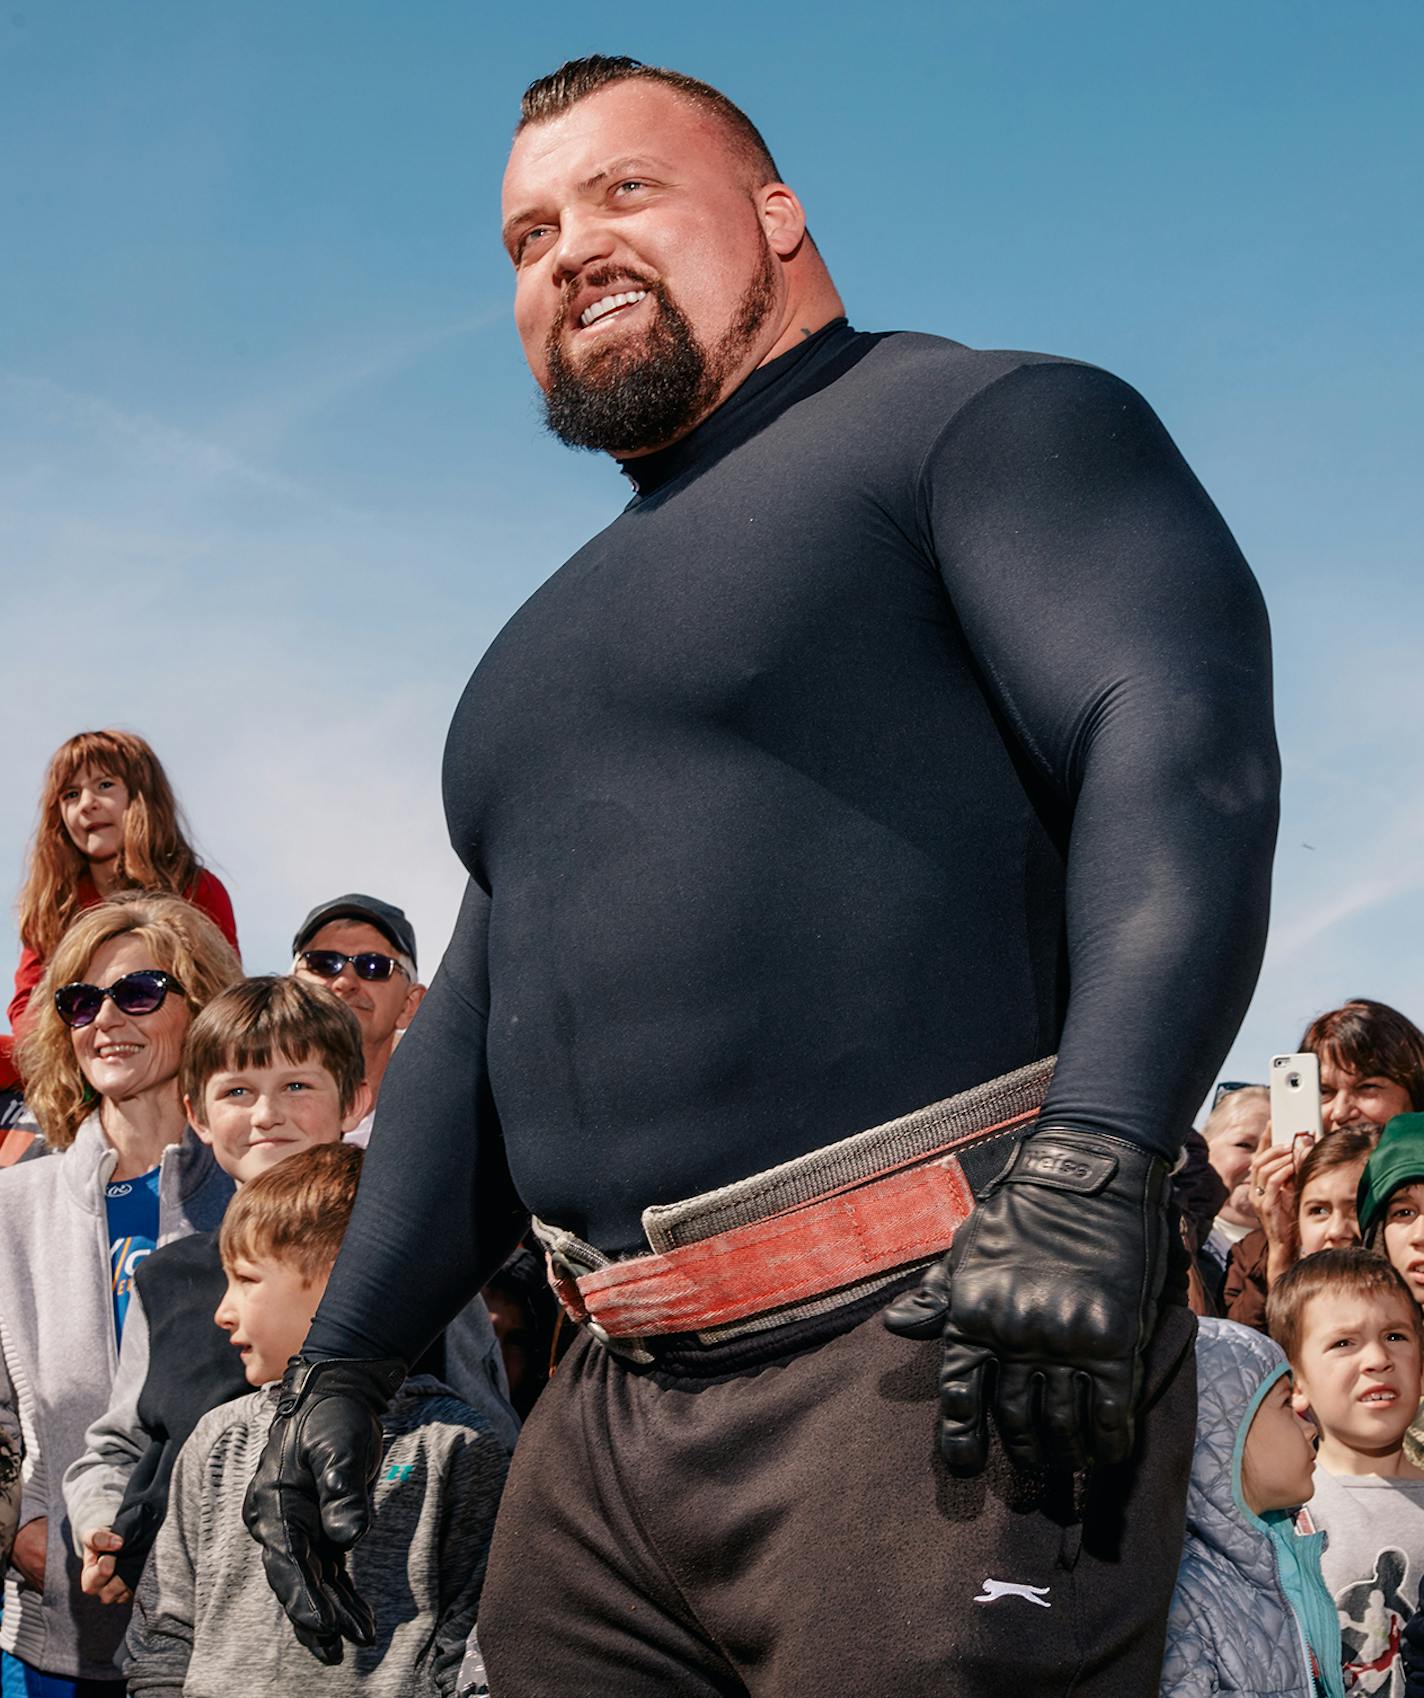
pixel 327 964
pixel 136 993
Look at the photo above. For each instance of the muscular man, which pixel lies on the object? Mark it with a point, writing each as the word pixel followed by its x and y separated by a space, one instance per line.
pixel 912 722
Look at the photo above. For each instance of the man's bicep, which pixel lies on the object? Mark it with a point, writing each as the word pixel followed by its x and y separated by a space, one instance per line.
pixel 1088 568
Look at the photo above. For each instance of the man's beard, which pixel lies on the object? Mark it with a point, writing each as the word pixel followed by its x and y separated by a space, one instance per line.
pixel 644 391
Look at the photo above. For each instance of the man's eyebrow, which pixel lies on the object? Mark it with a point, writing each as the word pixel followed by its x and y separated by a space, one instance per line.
pixel 619 168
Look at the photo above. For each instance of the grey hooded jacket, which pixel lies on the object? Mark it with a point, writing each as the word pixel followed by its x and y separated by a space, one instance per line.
pixel 57 1360
pixel 1247 1593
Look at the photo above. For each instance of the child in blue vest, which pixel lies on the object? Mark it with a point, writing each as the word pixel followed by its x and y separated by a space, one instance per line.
pixel 1250 1614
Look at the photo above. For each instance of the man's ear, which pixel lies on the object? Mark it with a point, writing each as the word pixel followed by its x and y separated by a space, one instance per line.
pixel 783 218
pixel 414 997
pixel 360 1108
pixel 193 1120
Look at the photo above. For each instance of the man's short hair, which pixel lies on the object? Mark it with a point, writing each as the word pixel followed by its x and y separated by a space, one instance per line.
pixel 550 96
pixel 255 1020
pixel 297 1212
pixel 1331 1273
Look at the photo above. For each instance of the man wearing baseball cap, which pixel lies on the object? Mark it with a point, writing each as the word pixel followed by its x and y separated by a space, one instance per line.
pixel 363 950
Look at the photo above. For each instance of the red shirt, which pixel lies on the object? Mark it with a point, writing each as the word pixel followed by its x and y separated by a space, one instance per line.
pixel 207 893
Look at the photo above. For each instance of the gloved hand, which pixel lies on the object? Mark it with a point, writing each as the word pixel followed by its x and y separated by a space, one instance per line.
pixel 310 1498
pixel 1046 1302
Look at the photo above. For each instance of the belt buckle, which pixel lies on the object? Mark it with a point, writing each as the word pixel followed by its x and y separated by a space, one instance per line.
pixel 571 1267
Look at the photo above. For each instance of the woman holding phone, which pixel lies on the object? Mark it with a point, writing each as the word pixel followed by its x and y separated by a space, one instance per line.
pixel 1371 1068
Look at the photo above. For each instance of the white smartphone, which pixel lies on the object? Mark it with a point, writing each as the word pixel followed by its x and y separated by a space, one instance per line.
pixel 1295 1097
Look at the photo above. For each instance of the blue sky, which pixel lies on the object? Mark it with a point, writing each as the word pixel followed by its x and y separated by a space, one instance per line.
pixel 272 474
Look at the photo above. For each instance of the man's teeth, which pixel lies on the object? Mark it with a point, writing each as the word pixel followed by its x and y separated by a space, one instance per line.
pixel 609 303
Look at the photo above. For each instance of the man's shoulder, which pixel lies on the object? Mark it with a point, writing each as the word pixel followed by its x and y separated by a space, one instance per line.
pixel 919 356
pixel 934 381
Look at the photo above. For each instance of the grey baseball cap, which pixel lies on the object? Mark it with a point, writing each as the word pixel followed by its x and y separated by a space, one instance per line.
pixel 388 920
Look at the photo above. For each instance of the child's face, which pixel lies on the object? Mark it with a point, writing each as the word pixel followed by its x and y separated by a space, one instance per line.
pixel 92 806
pixel 1326 1215
pixel 1404 1234
pixel 1278 1461
pixel 255 1117
pixel 266 1311
pixel 1358 1368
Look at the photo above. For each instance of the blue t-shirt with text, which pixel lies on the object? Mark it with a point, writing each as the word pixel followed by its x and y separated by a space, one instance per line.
pixel 133 1234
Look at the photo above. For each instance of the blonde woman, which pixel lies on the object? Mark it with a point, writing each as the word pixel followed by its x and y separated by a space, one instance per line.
pixel 101 1065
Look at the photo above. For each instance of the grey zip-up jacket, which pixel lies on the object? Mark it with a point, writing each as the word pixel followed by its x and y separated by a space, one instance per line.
pixel 206 1622
pixel 57 1360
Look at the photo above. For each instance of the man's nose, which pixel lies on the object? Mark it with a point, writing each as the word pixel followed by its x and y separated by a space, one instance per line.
pixel 584 240
pixel 345 984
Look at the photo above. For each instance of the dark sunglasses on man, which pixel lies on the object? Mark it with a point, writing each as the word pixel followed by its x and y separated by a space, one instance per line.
pixel 369 964
pixel 143 992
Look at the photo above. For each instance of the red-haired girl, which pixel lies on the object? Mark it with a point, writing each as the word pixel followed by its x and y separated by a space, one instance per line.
pixel 108 822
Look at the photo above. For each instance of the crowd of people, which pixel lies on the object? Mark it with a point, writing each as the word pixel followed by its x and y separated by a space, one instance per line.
pixel 181 1149
pixel 179 1152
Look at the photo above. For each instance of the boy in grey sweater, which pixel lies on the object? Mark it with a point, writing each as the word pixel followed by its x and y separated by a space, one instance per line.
pixel 206 1623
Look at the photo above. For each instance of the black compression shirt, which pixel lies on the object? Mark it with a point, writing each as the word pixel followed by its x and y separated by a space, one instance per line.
pixel 912 722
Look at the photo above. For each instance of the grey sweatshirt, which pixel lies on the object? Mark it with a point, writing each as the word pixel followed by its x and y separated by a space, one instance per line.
pixel 96 1482
pixel 57 1359
pixel 206 1624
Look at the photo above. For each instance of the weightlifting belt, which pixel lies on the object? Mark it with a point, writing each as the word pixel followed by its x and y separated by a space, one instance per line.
pixel 804 1237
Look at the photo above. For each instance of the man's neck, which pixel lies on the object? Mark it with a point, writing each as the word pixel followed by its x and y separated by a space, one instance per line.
pixel 140 1128
pixel 378 1059
pixel 800 320
pixel 1390 1463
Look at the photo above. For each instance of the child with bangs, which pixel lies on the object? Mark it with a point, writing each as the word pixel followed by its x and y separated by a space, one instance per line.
pixel 1352 1331
pixel 270 1068
pixel 108 821
pixel 207 1622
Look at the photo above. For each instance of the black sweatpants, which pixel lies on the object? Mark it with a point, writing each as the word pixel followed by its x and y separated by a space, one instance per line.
pixel 786 1529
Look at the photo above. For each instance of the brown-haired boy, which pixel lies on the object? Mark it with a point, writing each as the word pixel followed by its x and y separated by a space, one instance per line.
pixel 206 1622
pixel 1353 1333
pixel 270 1067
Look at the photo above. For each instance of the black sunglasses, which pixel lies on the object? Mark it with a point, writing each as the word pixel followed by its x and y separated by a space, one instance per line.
pixel 327 964
pixel 143 992
pixel 1229 1088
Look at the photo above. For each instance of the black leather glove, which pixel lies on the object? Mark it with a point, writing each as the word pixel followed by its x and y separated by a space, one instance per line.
pixel 1046 1302
pixel 310 1498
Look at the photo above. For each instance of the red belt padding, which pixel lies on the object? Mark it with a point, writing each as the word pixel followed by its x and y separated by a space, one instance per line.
pixel 904 1214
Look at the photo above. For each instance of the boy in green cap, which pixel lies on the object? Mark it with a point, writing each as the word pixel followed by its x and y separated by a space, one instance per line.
pixel 1390 1209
